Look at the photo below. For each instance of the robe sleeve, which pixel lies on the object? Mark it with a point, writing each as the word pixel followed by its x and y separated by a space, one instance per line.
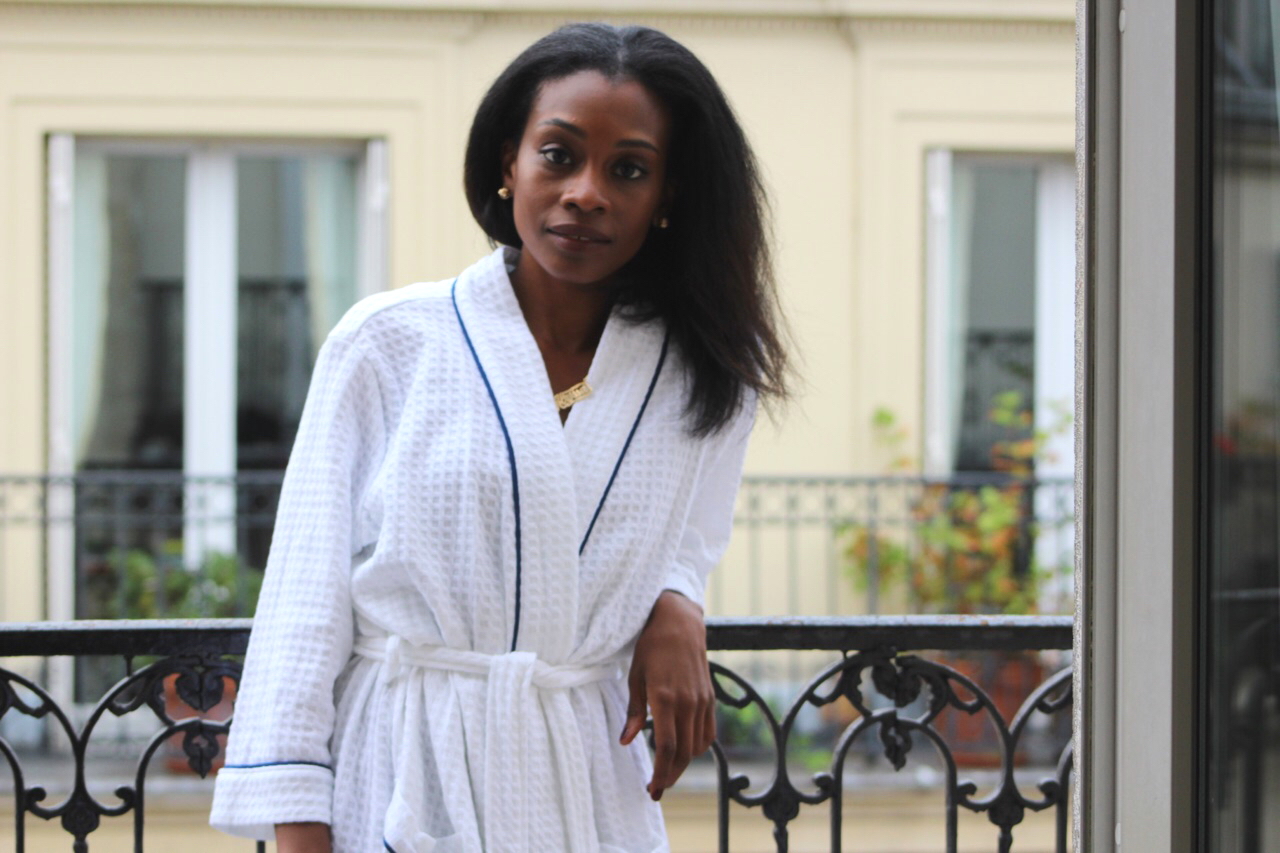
pixel 710 522
pixel 279 768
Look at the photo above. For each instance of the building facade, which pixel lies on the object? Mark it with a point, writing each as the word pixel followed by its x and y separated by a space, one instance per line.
pixel 191 193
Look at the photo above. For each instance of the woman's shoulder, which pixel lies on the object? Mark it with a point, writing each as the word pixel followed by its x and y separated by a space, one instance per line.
pixel 414 307
pixel 394 319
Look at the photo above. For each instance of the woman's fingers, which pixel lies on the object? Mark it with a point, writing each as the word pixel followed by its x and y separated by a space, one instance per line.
pixel 666 747
pixel 669 667
pixel 636 706
pixel 709 725
pixel 684 727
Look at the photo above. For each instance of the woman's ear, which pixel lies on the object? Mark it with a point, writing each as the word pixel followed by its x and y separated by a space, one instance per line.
pixel 508 163
pixel 664 205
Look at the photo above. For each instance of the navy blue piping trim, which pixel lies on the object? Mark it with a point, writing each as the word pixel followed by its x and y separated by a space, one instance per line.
pixel 277 764
pixel 511 455
pixel 388 846
pixel 647 394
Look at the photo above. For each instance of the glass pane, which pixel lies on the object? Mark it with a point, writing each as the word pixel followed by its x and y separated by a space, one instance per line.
pixel 297 262
pixel 297 273
pixel 127 387
pixel 127 359
pixel 127 311
pixel 994 275
pixel 1240 741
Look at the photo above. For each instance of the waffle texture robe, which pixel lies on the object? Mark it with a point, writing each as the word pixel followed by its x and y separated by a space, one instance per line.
pixel 457 581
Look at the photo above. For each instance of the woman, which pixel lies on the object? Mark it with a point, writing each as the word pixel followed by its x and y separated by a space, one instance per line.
pixel 508 489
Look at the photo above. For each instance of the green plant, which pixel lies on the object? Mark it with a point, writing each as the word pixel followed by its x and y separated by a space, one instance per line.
pixel 138 584
pixel 968 548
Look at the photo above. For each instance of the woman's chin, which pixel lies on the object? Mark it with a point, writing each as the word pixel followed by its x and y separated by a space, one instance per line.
pixel 572 269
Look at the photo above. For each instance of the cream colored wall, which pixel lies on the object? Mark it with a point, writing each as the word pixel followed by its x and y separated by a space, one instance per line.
pixel 840 101
pixel 969 88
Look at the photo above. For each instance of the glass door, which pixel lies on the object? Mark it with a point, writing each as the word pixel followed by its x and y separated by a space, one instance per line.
pixel 1240 608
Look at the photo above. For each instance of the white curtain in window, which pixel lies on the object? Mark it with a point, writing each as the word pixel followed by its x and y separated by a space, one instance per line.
pixel 1055 311
pixel 330 207
pixel 950 189
pixel 1055 367
pixel 89 294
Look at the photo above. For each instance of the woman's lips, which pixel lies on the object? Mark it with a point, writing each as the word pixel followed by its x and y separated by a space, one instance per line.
pixel 579 234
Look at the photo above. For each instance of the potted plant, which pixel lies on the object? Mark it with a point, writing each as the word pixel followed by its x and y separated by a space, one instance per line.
pixel 968 545
pixel 139 584
pixel 149 586
pixel 969 548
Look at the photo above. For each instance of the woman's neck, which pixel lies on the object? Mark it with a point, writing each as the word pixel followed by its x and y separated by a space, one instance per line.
pixel 565 319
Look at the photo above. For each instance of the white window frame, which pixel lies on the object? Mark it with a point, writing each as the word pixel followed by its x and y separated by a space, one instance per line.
pixel 1137 404
pixel 210 312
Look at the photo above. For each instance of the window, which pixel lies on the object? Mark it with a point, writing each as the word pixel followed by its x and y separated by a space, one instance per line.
pixel 1000 302
pixel 199 283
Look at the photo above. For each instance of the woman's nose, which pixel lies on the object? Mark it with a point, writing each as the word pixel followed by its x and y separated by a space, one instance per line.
pixel 585 191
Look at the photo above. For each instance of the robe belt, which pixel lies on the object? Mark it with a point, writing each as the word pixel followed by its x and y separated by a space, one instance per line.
pixel 519 686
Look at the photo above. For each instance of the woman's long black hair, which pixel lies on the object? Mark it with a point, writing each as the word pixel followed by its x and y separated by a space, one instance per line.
pixel 709 275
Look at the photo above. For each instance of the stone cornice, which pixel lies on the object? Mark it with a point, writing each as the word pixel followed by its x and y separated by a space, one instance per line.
pixel 388 26
pixel 830 11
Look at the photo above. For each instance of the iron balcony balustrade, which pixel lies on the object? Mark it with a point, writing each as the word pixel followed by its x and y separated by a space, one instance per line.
pixel 102 534
pixel 899 705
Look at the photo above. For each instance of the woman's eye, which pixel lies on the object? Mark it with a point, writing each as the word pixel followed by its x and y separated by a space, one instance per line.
pixel 555 155
pixel 630 171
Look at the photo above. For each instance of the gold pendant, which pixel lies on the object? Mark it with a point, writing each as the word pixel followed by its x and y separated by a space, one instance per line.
pixel 573 394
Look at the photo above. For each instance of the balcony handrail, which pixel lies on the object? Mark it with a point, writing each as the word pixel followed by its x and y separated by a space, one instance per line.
pixel 849 633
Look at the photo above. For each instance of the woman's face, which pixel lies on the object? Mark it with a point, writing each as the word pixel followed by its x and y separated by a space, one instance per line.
pixel 588 177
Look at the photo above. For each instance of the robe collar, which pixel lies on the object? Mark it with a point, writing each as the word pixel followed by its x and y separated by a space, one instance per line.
pixel 560 473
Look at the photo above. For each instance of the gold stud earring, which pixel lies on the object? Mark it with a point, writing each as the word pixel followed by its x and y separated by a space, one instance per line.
pixel 663 222
pixel 504 193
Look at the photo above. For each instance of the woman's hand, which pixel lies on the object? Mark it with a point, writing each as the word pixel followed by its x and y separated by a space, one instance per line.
pixel 669 673
pixel 303 838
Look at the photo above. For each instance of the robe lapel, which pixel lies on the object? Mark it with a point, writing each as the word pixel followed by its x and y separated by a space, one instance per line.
pixel 598 428
pixel 562 473
pixel 544 585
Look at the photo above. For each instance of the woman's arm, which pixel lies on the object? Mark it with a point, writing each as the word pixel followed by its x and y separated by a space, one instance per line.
pixel 303 838
pixel 669 669
pixel 669 674
pixel 279 764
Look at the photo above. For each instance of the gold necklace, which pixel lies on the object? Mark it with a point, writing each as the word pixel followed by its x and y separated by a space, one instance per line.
pixel 572 394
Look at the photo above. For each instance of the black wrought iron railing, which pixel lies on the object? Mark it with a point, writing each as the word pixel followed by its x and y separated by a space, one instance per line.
pixel 133 543
pixel 897 691
pixel 887 544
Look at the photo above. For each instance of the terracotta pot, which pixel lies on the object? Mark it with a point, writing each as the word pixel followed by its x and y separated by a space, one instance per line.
pixel 175 758
pixel 1008 678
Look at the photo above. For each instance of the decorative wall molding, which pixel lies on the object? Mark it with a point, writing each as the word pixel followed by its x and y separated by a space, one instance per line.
pixel 457 19
pixel 122 19
pixel 860 28
pixel 1046 10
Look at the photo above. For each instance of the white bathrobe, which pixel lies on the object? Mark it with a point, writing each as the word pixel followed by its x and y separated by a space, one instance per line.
pixel 456 583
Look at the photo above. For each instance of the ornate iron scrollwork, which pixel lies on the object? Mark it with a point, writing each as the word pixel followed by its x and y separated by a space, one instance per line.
pixel 897 703
pixel 902 681
pixel 199 681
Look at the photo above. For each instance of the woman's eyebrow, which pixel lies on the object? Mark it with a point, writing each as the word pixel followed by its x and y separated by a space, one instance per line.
pixel 582 134
pixel 565 125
